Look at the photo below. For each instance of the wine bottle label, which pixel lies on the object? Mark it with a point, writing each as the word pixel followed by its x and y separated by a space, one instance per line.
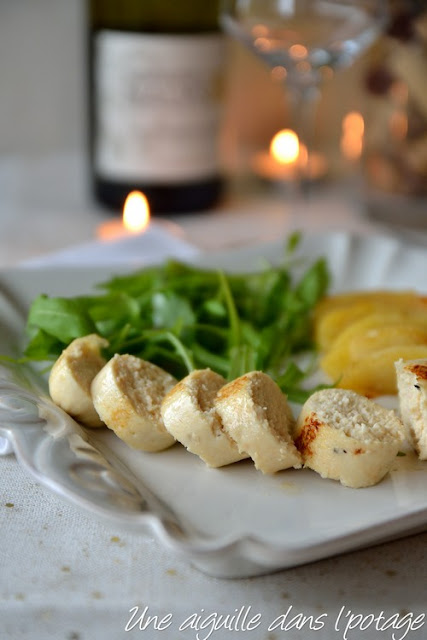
pixel 157 106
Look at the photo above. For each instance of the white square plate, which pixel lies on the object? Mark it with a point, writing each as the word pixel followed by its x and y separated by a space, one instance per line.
pixel 228 522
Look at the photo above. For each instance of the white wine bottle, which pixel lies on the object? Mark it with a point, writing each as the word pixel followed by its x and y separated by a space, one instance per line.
pixel 154 97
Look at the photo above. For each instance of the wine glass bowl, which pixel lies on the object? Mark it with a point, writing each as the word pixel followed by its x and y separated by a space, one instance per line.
pixel 305 35
pixel 300 39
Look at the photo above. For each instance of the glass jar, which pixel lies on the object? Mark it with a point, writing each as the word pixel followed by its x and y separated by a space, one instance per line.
pixel 395 154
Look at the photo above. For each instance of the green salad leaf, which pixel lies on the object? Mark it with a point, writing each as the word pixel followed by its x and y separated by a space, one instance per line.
pixel 182 317
pixel 61 318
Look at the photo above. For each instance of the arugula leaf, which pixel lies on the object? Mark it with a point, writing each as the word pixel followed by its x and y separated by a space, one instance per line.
pixel 127 311
pixel 171 310
pixel 235 332
pixel 204 358
pixel 182 317
pixel 43 346
pixel 62 318
pixel 314 283
pixel 292 242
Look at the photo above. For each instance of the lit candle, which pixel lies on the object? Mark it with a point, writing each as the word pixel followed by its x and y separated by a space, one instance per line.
pixel 287 158
pixel 135 219
pixel 353 128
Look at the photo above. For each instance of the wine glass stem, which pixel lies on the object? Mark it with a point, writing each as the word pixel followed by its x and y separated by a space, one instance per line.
pixel 303 101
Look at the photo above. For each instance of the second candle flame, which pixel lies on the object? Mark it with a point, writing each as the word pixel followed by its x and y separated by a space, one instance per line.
pixel 136 212
pixel 285 147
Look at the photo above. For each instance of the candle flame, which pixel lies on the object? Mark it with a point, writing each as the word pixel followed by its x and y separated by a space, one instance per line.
pixel 353 128
pixel 285 147
pixel 136 212
pixel 353 122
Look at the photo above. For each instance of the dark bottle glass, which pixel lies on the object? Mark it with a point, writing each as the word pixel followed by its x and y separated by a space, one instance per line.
pixel 154 96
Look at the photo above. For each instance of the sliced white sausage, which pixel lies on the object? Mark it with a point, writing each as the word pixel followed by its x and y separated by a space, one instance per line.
pixel 256 414
pixel 127 394
pixel 71 377
pixel 189 414
pixel 344 436
pixel 412 388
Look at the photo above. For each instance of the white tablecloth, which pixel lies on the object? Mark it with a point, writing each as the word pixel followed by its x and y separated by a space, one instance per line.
pixel 65 576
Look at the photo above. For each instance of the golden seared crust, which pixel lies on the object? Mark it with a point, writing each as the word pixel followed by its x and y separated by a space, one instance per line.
pixel 419 369
pixel 257 416
pixel 307 434
pixel 231 389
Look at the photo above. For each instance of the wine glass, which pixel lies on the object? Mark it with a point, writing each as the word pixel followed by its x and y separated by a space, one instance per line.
pixel 300 39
